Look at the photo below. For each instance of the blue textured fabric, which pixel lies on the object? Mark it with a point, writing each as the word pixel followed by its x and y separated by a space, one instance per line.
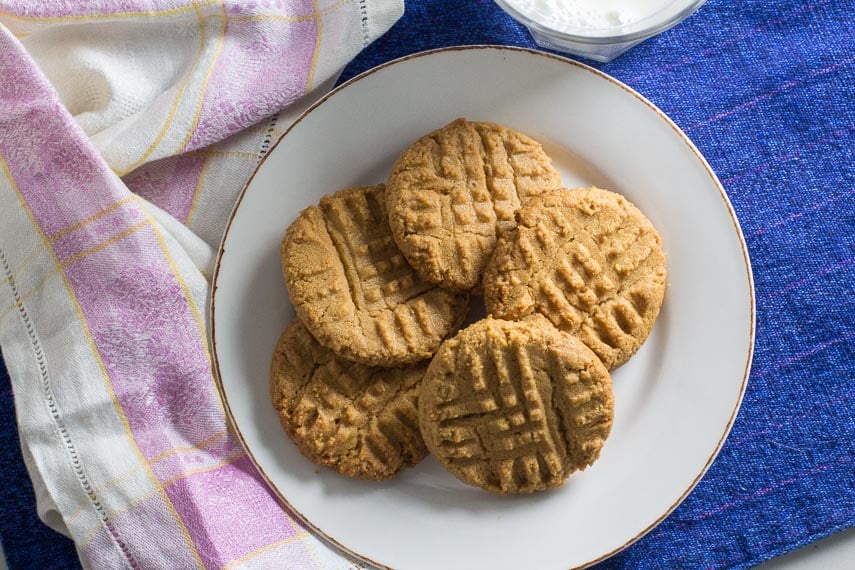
pixel 26 541
pixel 766 90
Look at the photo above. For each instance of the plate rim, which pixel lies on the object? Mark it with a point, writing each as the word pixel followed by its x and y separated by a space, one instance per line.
pixel 215 364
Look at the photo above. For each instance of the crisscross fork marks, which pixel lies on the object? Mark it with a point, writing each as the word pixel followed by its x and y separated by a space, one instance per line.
pixel 587 260
pixel 359 420
pixel 502 424
pixel 573 287
pixel 378 275
pixel 515 406
pixel 453 191
pixel 355 290
pixel 486 188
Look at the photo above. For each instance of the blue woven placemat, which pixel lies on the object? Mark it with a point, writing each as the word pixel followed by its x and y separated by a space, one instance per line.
pixel 766 90
pixel 27 542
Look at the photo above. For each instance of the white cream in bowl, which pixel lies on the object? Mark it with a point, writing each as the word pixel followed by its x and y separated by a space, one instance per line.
pixel 597 29
pixel 571 16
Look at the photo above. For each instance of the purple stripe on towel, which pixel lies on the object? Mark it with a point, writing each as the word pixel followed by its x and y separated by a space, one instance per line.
pixel 247 516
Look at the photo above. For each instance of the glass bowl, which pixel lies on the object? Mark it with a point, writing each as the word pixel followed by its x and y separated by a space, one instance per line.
pixel 607 43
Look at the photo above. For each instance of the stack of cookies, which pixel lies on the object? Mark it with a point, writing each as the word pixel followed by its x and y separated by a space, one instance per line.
pixel 373 373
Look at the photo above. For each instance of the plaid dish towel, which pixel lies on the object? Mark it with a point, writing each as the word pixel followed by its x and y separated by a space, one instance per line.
pixel 126 131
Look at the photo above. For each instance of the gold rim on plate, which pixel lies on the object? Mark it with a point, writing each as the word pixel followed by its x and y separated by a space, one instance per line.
pixel 573 63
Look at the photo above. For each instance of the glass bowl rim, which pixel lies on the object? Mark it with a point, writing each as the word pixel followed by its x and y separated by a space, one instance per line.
pixel 644 33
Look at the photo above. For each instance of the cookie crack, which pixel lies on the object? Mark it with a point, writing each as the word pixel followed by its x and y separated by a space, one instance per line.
pixel 561 427
pixel 547 395
pixel 513 170
pixel 435 155
pixel 346 258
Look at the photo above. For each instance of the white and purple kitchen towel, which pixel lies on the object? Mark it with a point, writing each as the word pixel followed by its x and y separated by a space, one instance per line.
pixel 127 129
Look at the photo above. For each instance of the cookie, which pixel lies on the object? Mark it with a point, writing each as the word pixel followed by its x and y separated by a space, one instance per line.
pixel 455 190
pixel 359 420
pixel 590 262
pixel 354 290
pixel 515 407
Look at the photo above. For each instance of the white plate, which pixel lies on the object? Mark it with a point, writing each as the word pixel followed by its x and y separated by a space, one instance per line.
pixel 675 400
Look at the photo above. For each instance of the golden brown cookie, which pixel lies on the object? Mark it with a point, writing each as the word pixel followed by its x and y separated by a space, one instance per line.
pixel 354 290
pixel 454 190
pixel 590 262
pixel 515 407
pixel 361 421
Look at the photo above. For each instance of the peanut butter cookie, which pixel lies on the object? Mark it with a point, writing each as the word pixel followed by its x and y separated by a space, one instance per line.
pixel 359 420
pixel 590 262
pixel 455 190
pixel 515 407
pixel 354 290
